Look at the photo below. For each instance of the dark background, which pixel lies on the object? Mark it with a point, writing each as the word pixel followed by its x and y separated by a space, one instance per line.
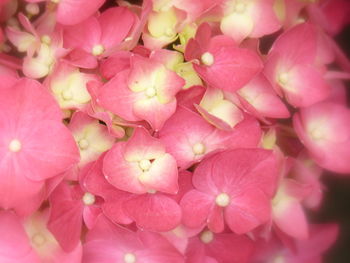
pixel 336 206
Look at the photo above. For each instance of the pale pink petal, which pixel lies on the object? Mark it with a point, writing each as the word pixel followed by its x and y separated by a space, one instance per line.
pixel 290 218
pixel 154 112
pixel 305 86
pixel 162 176
pixel 121 173
pixel 143 146
pixel 14 243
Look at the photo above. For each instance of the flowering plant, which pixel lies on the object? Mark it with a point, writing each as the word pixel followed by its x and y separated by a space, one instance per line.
pixel 172 131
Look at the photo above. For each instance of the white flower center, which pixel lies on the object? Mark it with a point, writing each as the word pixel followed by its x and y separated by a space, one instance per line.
pixel 207 59
pixel 145 165
pixel 129 258
pixel 222 200
pixel 15 146
pixel 169 32
pixel 151 92
pixel 198 148
pixel 279 259
pixel 67 94
pixel 240 7
pixel 83 144
pixel 97 50
pixel 46 39
pixel 317 134
pixel 207 236
pixel 88 198
pixel 33 9
pixel 38 240
pixel 283 78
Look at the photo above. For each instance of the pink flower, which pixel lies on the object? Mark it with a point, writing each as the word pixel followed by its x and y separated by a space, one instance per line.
pixel 242 19
pixel 148 91
pixel 141 165
pixel 30 241
pixel 221 63
pixel 198 138
pixel 153 211
pixel 323 129
pixel 107 242
pixel 223 248
pixel 233 186
pixel 259 99
pixel 32 139
pixel 287 209
pixel 97 37
pixel 69 206
pixel 70 12
pixel 291 67
pixel 322 236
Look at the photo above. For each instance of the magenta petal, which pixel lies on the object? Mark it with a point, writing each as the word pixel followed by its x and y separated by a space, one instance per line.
pixel 248 210
pixel 116 97
pixel 233 68
pixel 216 220
pixel 69 12
pixel 115 25
pixel 196 207
pixel 154 212
pixel 83 36
pixel 66 223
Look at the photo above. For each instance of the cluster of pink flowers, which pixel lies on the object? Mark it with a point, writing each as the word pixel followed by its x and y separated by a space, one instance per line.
pixel 172 131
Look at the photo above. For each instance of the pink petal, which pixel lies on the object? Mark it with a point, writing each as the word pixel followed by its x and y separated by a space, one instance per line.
pixel 231 248
pixel 297 45
pixel 121 173
pixel 193 130
pixel 247 210
pixel 259 98
pixel 143 146
pixel 196 207
pixel 290 218
pixel 154 112
pixel 154 212
pixel 163 175
pixel 69 12
pixel 48 149
pixel 116 97
pixel 84 35
pixel 233 68
pixel 115 24
pixel 66 223
pixel 14 243
pixel 306 86
pixel 216 220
